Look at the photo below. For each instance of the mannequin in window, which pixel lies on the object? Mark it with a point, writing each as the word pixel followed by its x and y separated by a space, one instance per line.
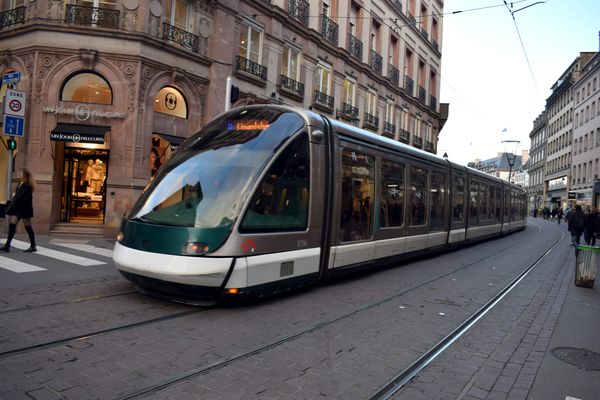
pixel 96 176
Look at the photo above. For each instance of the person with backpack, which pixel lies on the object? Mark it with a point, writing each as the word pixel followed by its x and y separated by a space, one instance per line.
pixel 576 225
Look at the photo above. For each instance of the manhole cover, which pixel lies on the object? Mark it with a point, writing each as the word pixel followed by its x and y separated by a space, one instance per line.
pixel 581 358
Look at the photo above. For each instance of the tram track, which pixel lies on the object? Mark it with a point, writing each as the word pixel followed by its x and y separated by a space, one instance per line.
pixel 88 335
pixel 411 371
pixel 72 301
pixel 388 390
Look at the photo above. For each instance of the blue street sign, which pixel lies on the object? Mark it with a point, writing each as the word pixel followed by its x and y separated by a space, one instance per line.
pixel 11 77
pixel 14 126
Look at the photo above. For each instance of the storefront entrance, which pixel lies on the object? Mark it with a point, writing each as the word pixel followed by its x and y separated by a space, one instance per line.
pixel 83 195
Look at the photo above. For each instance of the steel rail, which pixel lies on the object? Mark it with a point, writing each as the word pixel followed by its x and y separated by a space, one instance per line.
pixel 401 379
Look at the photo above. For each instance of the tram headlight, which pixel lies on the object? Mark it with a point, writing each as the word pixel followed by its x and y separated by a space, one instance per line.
pixel 120 236
pixel 195 248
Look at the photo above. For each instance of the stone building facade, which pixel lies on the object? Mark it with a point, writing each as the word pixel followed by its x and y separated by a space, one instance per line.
pixel 113 85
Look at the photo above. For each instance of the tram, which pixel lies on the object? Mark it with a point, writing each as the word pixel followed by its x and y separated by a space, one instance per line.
pixel 268 198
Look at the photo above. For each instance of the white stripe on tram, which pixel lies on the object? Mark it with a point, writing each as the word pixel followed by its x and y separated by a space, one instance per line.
pixel 59 255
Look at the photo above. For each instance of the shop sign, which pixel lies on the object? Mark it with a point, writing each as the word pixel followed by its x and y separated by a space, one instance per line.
pixel 83 112
pixel 76 137
pixel 572 195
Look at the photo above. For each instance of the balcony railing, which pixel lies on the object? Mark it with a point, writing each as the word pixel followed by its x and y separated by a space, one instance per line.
pixel 349 112
pixel 409 85
pixel 371 121
pixel 329 29
pixel 433 103
pixel 418 142
pixel 424 33
pixel 245 65
pixel 183 38
pixel 404 136
pixel 422 95
pixel 411 19
pixel 323 98
pixel 95 16
pixel 299 9
pixel 355 47
pixel 376 62
pixel 12 17
pixel 397 4
pixel 428 146
pixel 393 74
pixel 435 44
pixel 389 127
pixel 292 85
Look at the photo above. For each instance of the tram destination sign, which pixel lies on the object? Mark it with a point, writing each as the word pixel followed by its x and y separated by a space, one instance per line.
pixel 76 137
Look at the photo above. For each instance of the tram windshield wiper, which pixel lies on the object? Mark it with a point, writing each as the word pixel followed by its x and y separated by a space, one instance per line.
pixel 143 220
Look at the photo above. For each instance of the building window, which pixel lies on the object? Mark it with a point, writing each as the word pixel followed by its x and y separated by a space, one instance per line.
pixel 349 89
pixel 389 112
pixel 323 75
pixel 87 87
pixel 170 101
pixel 250 43
pixel 371 103
pixel 290 63
pixel 176 13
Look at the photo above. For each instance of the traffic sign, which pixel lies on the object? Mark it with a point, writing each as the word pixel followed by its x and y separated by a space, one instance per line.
pixel 11 77
pixel 14 103
pixel 13 125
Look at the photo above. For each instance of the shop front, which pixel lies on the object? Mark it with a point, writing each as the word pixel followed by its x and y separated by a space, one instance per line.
pixel 84 172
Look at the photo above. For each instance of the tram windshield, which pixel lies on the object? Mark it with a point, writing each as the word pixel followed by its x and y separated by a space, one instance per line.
pixel 209 178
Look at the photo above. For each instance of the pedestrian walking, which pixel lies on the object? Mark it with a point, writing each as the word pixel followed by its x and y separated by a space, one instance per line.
pixel 591 219
pixel 576 225
pixel 21 208
pixel 559 215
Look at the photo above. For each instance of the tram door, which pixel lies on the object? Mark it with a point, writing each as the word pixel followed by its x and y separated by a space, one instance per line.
pixel 83 196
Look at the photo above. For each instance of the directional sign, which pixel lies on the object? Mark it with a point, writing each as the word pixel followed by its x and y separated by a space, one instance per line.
pixel 14 103
pixel 14 126
pixel 11 77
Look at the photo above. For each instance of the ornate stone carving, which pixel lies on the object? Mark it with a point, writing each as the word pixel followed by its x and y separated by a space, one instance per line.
pixel 129 70
pixel 45 64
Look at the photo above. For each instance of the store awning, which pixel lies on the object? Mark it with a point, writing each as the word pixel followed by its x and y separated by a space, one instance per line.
pixel 79 133
pixel 174 141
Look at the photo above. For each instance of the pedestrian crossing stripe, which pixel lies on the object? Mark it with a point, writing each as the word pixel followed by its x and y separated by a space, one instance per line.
pixel 59 255
pixel 87 248
pixel 18 266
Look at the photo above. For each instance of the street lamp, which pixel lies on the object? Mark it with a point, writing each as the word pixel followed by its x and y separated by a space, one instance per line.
pixel 511 160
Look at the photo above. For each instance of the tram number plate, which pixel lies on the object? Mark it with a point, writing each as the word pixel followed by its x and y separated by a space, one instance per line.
pixel 287 268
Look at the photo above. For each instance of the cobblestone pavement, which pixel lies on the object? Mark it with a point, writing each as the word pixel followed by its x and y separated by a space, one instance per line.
pixel 338 341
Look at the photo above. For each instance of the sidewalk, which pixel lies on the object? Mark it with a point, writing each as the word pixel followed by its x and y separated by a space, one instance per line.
pixel 570 368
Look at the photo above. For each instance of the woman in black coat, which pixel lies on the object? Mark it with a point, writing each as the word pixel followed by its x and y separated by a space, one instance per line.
pixel 21 208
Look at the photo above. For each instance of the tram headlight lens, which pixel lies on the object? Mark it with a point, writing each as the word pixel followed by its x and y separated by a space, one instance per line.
pixel 195 248
pixel 120 237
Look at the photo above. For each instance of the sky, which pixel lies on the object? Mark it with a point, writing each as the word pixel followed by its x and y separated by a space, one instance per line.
pixel 497 83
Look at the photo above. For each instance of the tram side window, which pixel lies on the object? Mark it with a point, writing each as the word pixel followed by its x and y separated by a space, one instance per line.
pixel 281 201
pixel 506 204
pixel 438 201
pixel 498 204
pixel 483 201
pixel 417 205
pixel 492 206
pixel 391 210
pixel 358 192
pixel 458 199
pixel 474 204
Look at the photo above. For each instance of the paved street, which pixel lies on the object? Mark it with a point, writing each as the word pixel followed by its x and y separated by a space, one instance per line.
pixel 75 329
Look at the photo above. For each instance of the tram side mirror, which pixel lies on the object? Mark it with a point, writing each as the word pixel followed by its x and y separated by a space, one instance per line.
pixel 317 135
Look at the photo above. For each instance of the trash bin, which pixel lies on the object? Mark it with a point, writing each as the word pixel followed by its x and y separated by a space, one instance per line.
pixel 586 265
